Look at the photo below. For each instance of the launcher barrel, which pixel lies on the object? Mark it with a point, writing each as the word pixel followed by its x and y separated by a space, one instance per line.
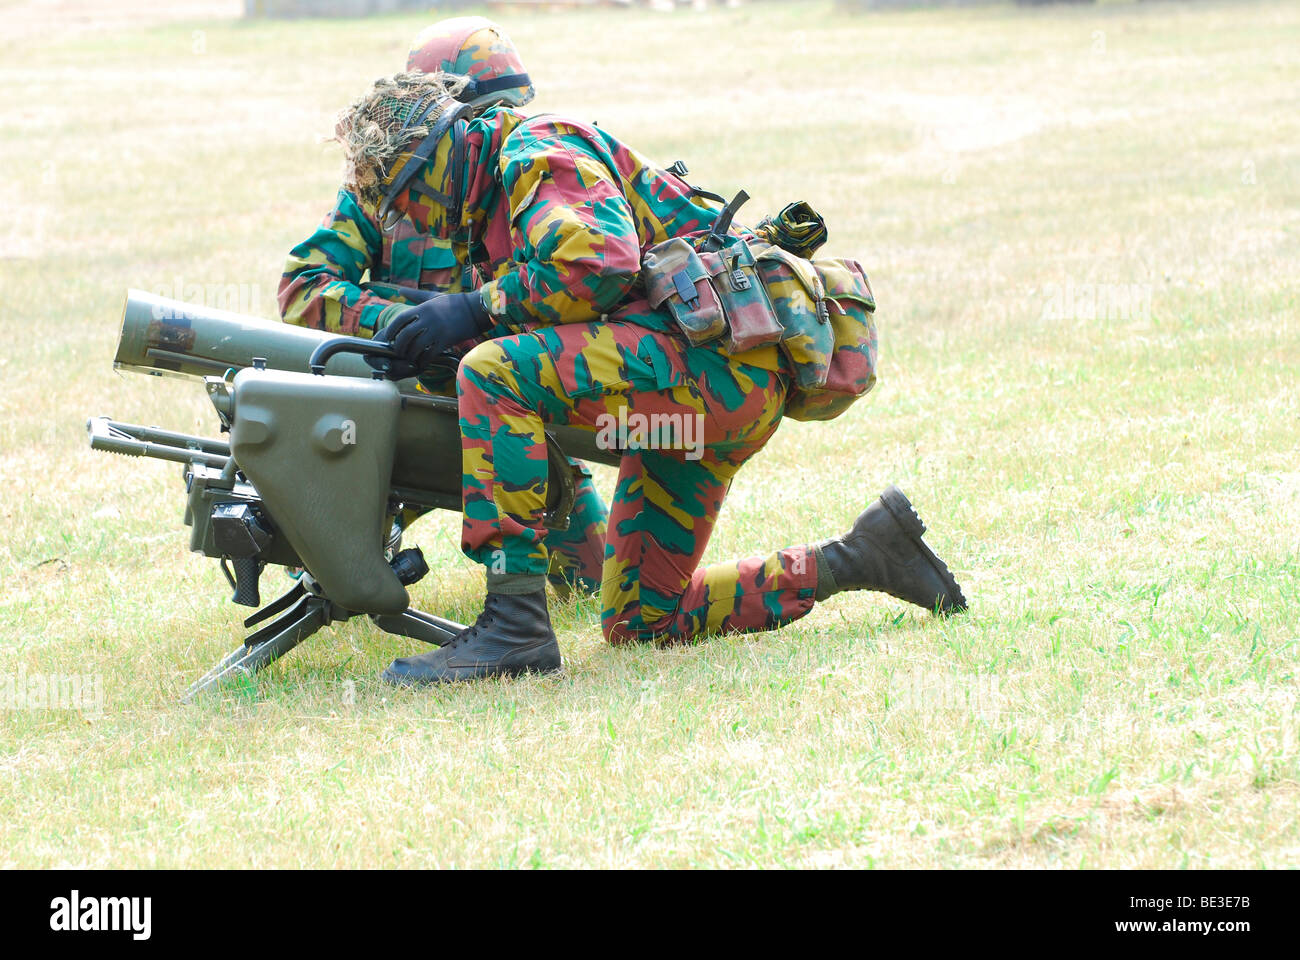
pixel 161 336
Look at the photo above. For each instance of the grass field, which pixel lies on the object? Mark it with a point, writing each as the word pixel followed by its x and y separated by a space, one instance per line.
pixel 1083 230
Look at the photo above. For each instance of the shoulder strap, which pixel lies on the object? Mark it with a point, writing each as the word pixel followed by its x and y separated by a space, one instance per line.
pixel 678 170
pixel 454 113
pixel 718 235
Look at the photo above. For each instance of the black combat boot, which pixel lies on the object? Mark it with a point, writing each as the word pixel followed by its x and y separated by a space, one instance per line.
pixel 511 636
pixel 884 551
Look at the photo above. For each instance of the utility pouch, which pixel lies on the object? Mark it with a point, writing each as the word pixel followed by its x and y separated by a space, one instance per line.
pixel 740 294
pixel 751 320
pixel 677 280
pixel 808 339
pixel 827 309
pixel 714 292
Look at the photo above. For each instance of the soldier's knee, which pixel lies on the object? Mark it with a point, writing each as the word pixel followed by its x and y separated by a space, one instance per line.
pixel 485 363
pixel 619 632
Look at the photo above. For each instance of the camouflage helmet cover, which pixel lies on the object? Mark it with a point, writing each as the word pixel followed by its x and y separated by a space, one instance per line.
pixel 479 49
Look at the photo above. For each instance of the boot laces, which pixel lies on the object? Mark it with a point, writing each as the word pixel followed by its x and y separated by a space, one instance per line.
pixel 484 619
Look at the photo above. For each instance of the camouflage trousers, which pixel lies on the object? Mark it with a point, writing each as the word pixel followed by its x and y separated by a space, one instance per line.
pixel 671 485
pixel 575 555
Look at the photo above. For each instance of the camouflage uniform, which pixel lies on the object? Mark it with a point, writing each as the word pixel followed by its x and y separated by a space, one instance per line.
pixel 559 212
pixel 322 285
pixel 665 503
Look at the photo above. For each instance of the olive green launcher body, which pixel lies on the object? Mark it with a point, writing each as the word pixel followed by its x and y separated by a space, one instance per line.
pixel 321 472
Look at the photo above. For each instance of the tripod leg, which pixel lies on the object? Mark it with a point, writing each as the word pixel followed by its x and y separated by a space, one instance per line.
pixel 271 642
pixel 418 625
pixel 283 602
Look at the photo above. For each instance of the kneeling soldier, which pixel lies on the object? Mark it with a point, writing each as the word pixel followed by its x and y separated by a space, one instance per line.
pixel 562 215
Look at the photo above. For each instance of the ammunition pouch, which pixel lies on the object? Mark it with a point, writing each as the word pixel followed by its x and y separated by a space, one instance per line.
pixel 736 295
pixel 712 295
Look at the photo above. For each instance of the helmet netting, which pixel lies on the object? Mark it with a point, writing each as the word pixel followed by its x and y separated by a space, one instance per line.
pixel 376 129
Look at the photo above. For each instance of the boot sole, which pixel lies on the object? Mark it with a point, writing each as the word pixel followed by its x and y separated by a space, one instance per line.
pixel 905 515
pixel 406 680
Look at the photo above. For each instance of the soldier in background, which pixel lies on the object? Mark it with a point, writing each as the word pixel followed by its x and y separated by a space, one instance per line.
pixel 355 272
pixel 562 212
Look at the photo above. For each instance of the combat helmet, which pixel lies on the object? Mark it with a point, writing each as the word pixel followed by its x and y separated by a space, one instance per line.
pixel 478 49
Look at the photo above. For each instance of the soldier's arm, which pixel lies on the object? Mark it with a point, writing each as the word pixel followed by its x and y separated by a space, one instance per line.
pixel 574 234
pixel 321 286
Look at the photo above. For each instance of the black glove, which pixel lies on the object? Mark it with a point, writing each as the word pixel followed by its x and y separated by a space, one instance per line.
pixel 420 333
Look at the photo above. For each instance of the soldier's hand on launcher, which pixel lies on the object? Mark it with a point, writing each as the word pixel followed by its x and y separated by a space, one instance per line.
pixel 419 334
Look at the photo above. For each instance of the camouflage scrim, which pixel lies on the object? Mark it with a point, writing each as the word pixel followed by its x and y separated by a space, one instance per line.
pixel 383 129
pixel 798 229
pixel 322 284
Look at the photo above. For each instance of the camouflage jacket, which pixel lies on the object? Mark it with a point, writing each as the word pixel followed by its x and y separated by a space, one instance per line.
pixel 326 280
pixel 575 211
pixel 557 216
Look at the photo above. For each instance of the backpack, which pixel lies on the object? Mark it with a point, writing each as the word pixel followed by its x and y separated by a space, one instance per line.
pixel 738 294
